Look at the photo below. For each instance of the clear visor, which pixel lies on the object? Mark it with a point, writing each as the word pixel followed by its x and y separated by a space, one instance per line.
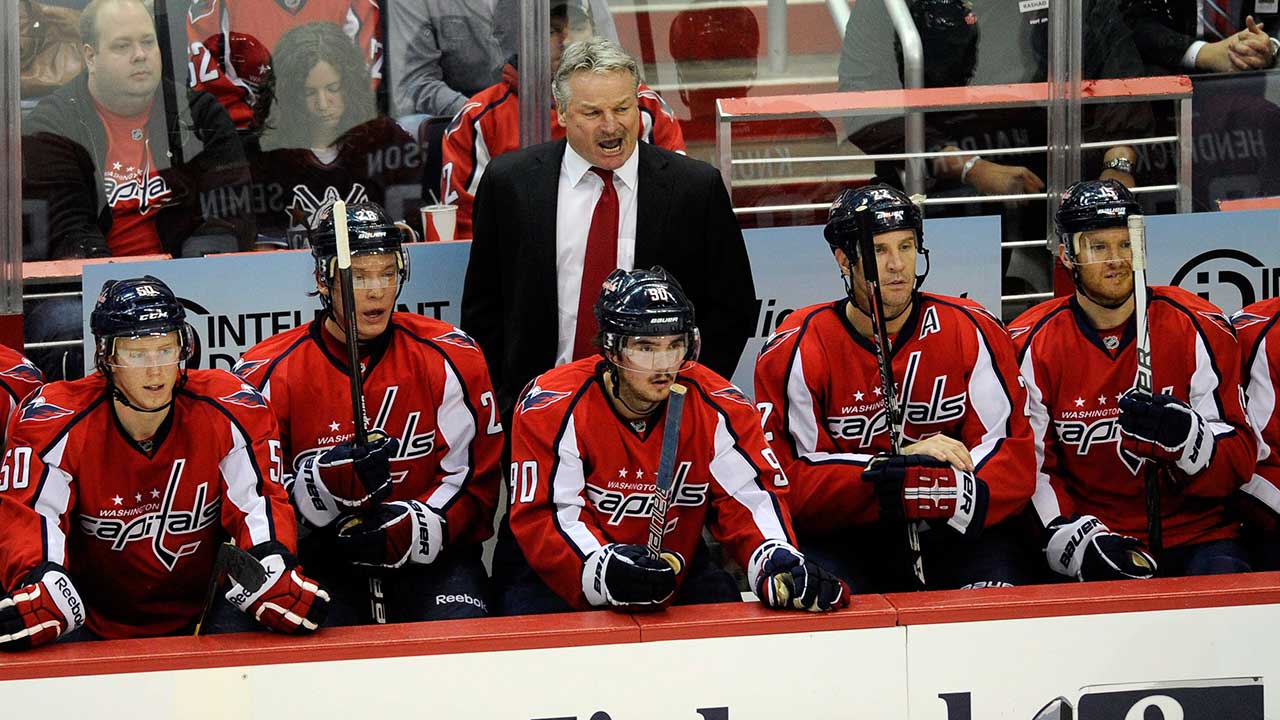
pixel 1092 249
pixel 154 351
pixel 657 354
pixel 373 278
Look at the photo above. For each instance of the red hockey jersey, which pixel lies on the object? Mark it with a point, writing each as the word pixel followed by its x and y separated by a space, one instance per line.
pixel 425 383
pixel 1260 351
pixel 489 125
pixel 818 388
pixel 1075 377
pixel 18 377
pixel 232 69
pixel 138 531
pixel 582 477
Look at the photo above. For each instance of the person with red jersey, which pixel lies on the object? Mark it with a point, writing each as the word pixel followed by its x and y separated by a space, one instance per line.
pixel 1260 354
pixel 967 444
pixel 118 489
pixel 19 378
pixel 489 124
pixel 1096 439
pixel 399 520
pixel 584 454
pixel 230 43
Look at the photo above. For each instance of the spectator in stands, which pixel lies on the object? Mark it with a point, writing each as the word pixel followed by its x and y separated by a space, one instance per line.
pixel 50 47
pixel 322 137
pixel 123 173
pixel 551 221
pixel 986 43
pixel 506 23
pixel 489 125
pixel 120 171
pixel 1176 36
pixel 442 52
pixel 712 44
pixel 230 43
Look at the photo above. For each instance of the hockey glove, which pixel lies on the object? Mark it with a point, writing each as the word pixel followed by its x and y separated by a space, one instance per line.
pixel 42 611
pixel 1086 550
pixel 626 576
pixel 345 479
pixel 920 487
pixel 782 578
pixel 1165 429
pixel 392 534
pixel 288 601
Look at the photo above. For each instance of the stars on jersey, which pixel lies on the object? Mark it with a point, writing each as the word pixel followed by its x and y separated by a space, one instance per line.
pixel 40 410
pixel 137 497
pixel 638 473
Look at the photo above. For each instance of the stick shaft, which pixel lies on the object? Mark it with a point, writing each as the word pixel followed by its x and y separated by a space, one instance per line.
pixel 1144 380
pixel 666 469
pixel 893 412
pixel 350 321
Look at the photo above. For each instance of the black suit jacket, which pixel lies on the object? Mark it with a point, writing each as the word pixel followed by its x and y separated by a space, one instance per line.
pixel 684 222
pixel 1164 29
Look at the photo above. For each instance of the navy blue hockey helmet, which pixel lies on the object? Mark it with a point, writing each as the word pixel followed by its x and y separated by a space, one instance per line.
pixel 873 209
pixel 644 303
pixel 1093 205
pixel 369 231
pixel 137 307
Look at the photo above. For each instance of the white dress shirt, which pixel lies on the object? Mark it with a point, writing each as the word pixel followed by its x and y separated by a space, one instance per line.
pixel 575 202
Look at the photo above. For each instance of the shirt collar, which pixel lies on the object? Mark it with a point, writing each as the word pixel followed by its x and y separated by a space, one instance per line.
pixel 576 167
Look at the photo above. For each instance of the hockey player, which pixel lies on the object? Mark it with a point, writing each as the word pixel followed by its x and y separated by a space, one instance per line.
pixel 1096 440
pixel 966 460
pixel 585 452
pixel 19 378
pixel 117 489
pixel 489 124
pixel 230 43
pixel 396 524
pixel 1260 351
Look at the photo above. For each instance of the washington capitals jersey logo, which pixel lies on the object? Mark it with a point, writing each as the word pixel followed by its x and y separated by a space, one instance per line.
pixel 459 338
pixel 1240 320
pixel 776 339
pixel 536 398
pixel 1017 332
pixel 40 410
pixel 246 396
pixel 734 394
pixel 24 371
pixel 245 368
pixel 1220 321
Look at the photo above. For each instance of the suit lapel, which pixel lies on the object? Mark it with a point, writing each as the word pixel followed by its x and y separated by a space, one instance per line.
pixel 544 177
pixel 652 205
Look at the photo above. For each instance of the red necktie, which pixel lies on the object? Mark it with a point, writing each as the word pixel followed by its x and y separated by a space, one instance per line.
pixel 600 260
pixel 1216 17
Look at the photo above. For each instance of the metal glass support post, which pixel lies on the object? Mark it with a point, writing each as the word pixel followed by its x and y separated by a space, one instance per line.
pixel 1064 104
pixel 839 10
pixel 724 148
pixel 10 180
pixel 913 78
pixel 1185 139
pixel 777 21
pixel 535 71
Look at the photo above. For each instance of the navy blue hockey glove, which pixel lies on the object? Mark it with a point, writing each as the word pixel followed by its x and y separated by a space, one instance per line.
pixel 345 479
pixel 287 601
pixel 1165 429
pixel 783 578
pixel 921 487
pixel 41 611
pixel 626 576
pixel 1086 550
pixel 392 535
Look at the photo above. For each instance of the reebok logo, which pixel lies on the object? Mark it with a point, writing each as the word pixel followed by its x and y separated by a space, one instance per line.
pixel 462 599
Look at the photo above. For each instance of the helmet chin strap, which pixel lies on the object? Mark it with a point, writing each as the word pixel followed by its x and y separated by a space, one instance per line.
pixel 118 394
pixel 1080 287
pixel 617 392
pixel 848 290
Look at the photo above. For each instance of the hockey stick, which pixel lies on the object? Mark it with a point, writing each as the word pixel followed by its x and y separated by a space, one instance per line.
pixel 350 322
pixel 880 331
pixel 1144 383
pixel 666 475
pixel 241 566
pixel 351 329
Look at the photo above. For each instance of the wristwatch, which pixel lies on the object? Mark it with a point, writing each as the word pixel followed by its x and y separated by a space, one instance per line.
pixel 1120 164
